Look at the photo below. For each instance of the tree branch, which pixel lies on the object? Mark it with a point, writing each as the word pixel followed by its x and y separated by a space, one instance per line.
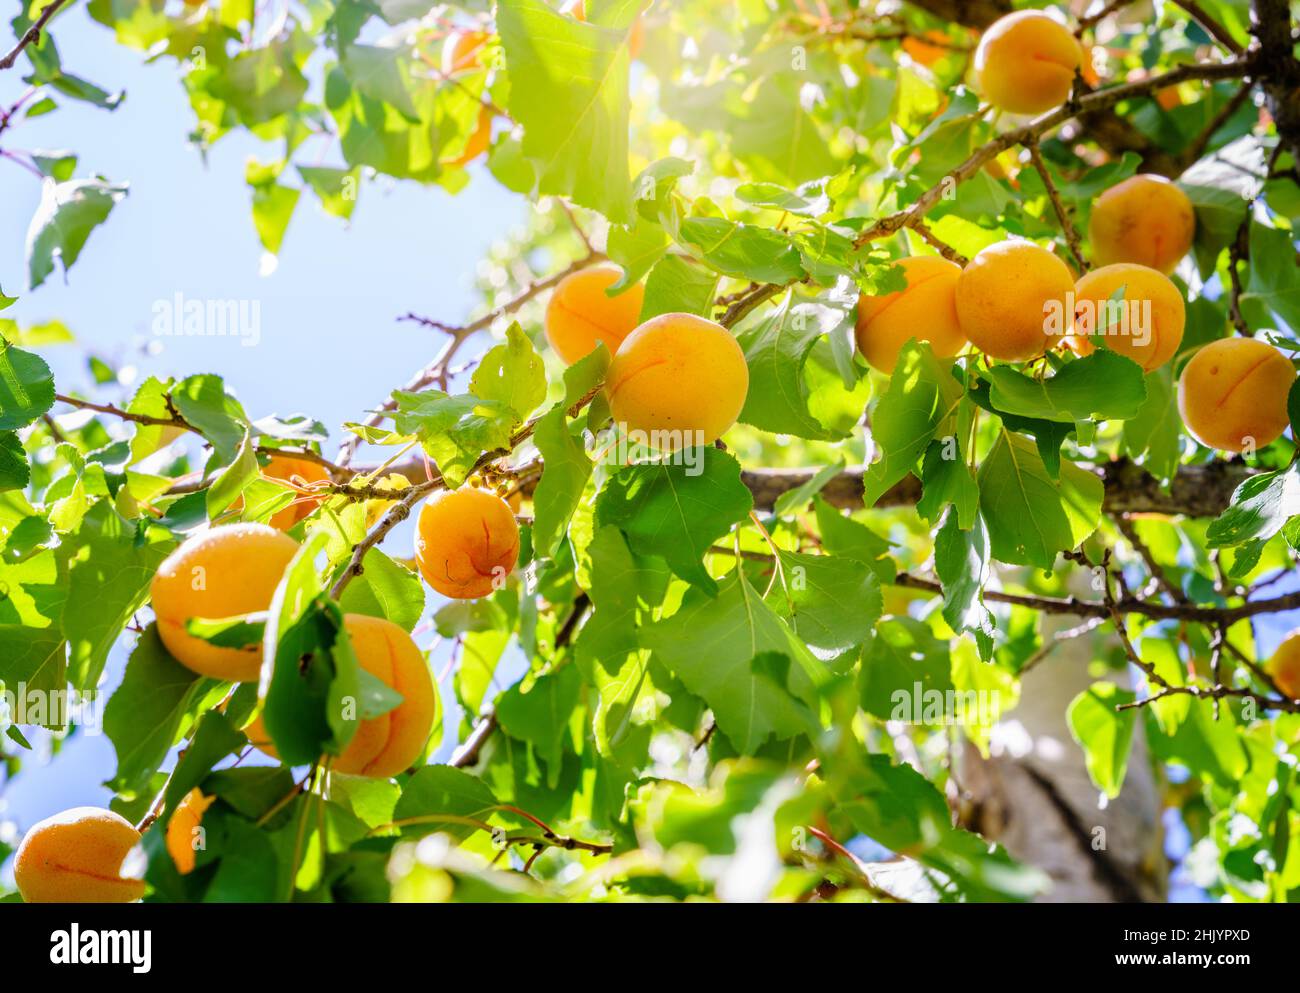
pixel 32 35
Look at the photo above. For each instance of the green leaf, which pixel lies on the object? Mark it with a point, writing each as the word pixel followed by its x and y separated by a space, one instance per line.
pixel 213 740
pixel 673 511
pixel 622 586
pixel 441 790
pixel 145 712
pixel 1030 516
pixel 962 560
pixel 569 91
pixel 743 251
pixel 738 656
pixel 1103 385
pixel 454 430
pixel 637 248
pixel 1274 278
pixel 904 671
pixel 1260 507
pixel 676 286
pixel 14 471
pixel 565 464
pixel 512 373
pixel 26 387
pixel 1154 433
pixel 111 565
pixel 228 486
pixel 1104 733
pixel 385 589
pixel 203 402
pixel 67 213
pixel 312 668
pixel 779 135
pixel 776 350
pixel 541 715
pixel 830 601
pixel 337 189
pixel 922 396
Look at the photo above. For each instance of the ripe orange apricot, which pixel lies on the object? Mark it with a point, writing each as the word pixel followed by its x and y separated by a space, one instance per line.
pixel 1145 219
pixel 1025 62
pixel 467 542
pixel 76 857
pixel 580 313
pixel 926 310
pixel 679 379
pixel 462 51
pixel 182 829
pixel 476 144
pixel 225 571
pixel 1006 296
pixel 1233 392
pixel 1146 326
pixel 382 746
pixel 302 471
pixel 1284 665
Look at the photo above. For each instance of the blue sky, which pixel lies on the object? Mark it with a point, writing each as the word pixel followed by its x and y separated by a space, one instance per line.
pixel 330 344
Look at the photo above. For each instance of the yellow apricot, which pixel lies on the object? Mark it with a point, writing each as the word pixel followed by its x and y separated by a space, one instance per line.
pixel 1284 666
pixel 303 472
pixel 466 542
pixel 1025 62
pixel 1145 219
pixel 382 746
pixel 1146 326
pixel 926 310
pixel 580 313
pixel 462 51
pixel 225 571
pixel 1006 298
pixel 1233 392
pixel 182 829
pixel 679 379
pixel 76 857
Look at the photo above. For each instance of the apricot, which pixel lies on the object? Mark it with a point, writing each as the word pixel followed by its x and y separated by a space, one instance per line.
pixel 303 472
pixel 923 51
pixel 926 310
pixel 1005 296
pixel 466 542
pixel 382 746
pixel 1025 62
pixel 225 571
pixel 1145 219
pixel 581 314
pixel 76 857
pixel 462 51
pixel 679 379
pixel 476 144
pixel 1284 665
pixel 183 829
pixel 1146 326
pixel 1232 394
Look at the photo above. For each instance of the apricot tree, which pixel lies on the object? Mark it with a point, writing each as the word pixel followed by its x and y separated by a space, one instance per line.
pixel 887 416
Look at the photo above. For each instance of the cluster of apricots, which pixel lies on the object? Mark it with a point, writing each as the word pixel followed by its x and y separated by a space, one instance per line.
pixel 1232 393
pixel 676 379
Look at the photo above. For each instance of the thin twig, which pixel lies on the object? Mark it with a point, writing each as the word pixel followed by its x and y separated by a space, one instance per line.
pixel 32 35
pixel 1067 224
